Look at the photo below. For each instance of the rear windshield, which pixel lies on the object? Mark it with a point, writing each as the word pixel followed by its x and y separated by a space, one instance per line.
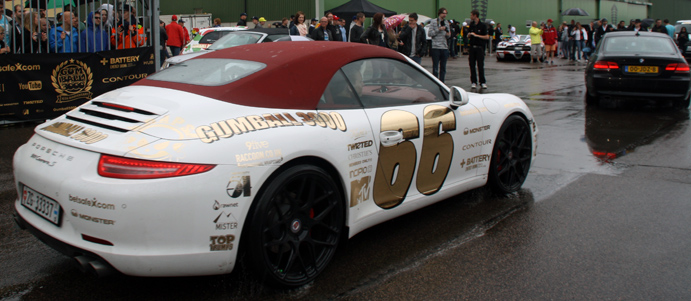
pixel 207 72
pixel 640 44
pixel 236 39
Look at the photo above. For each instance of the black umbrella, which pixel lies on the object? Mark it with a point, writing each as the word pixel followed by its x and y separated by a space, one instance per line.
pixel 575 12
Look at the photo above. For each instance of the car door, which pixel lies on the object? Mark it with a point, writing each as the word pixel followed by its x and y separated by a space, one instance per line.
pixel 419 138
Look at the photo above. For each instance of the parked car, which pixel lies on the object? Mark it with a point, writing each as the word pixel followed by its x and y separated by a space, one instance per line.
pixel 228 156
pixel 638 65
pixel 237 38
pixel 517 48
pixel 208 36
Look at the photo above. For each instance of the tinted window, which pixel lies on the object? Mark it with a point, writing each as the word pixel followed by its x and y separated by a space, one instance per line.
pixel 273 37
pixel 385 82
pixel 207 72
pixel 639 44
pixel 233 39
pixel 339 94
pixel 211 37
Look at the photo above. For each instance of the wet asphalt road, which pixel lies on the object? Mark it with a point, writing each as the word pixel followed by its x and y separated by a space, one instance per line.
pixel 605 214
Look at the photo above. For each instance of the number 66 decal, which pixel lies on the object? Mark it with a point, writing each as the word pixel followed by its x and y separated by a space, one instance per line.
pixel 397 160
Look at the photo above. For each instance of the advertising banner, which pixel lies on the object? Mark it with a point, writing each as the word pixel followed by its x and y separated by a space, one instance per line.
pixel 44 86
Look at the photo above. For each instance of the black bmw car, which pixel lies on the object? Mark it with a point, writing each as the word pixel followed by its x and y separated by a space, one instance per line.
pixel 643 65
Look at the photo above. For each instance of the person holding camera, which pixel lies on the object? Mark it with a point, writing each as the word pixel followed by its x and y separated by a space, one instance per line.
pixel 439 32
pixel 478 36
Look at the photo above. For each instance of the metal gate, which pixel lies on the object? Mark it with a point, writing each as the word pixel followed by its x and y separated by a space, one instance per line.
pixel 41 26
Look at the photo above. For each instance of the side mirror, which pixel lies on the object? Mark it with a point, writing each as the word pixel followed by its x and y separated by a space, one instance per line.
pixel 459 97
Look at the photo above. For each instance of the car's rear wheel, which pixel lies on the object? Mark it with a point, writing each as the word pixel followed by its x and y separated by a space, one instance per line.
pixel 590 99
pixel 511 156
pixel 683 103
pixel 295 227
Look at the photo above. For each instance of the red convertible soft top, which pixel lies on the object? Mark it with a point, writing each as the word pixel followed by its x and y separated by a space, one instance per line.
pixel 295 76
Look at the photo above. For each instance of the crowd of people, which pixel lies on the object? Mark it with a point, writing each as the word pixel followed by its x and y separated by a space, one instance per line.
pixel 28 30
pixel 577 40
pixel 441 39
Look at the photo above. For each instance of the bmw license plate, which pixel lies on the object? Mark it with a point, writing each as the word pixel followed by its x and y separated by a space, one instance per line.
pixel 41 205
pixel 641 69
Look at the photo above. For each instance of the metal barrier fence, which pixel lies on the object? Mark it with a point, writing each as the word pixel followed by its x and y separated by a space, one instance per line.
pixel 93 25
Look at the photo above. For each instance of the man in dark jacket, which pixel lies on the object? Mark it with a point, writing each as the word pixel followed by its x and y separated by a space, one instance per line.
pixel 413 40
pixel 602 30
pixel 322 33
pixel 335 31
pixel 357 30
pixel 658 27
pixel 243 20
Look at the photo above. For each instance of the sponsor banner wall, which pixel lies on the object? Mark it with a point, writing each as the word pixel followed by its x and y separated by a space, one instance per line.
pixel 44 86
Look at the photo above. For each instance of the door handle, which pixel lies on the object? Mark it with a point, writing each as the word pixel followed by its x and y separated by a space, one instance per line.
pixel 390 138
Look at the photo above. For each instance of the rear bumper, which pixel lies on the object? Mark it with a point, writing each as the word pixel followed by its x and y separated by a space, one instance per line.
pixel 677 87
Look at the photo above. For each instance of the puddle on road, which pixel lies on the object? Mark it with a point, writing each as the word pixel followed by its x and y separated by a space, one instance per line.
pixel 568 93
pixel 613 133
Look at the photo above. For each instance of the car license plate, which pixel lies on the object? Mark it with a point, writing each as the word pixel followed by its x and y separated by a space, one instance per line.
pixel 518 52
pixel 641 69
pixel 41 205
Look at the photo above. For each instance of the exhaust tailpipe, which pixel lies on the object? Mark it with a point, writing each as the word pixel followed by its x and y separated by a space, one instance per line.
pixel 93 266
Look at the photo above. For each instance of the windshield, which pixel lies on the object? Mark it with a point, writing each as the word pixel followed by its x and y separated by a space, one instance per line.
pixel 519 39
pixel 236 39
pixel 207 72
pixel 212 37
pixel 640 44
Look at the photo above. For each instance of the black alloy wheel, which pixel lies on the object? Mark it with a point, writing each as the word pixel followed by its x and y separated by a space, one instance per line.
pixel 295 227
pixel 511 156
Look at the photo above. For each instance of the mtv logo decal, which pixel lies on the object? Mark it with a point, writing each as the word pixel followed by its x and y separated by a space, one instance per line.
pixel 359 191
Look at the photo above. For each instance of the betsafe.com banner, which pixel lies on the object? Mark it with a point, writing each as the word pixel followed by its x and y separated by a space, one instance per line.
pixel 44 86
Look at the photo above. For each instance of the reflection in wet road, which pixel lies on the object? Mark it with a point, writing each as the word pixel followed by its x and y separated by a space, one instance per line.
pixel 578 229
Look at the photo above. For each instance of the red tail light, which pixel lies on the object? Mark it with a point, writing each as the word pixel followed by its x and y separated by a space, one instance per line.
pixel 678 68
pixel 121 107
pixel 601 65
pixel 126 168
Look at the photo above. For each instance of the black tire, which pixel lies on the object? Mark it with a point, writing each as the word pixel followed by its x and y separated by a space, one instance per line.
pixel 295 227
pixel 591 100
pixel 683 103
pixel 511 156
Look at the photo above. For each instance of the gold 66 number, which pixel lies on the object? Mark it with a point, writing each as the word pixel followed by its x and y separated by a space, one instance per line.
pixel 396 163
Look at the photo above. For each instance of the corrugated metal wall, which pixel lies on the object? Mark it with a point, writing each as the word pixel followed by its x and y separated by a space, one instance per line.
pixel 671 9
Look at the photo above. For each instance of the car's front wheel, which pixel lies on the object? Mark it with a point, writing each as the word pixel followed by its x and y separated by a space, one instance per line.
pixel 295 227
pixel 511 156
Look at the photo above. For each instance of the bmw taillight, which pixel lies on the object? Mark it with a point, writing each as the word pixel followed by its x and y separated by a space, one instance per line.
pixel 678 68
pixel 128 168
pixel 605 65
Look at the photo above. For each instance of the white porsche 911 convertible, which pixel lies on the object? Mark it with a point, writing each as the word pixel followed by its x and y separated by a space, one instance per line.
pixel 275 151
